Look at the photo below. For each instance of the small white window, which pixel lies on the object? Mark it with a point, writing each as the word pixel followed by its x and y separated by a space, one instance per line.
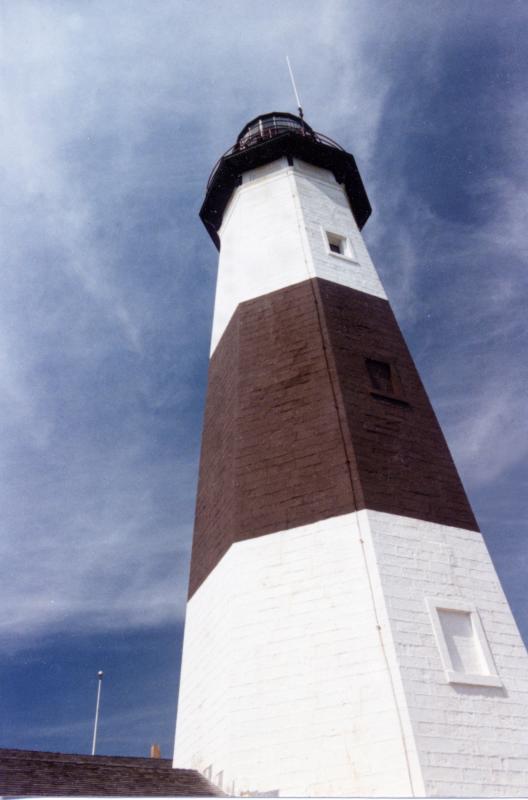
pixel 339 245
pixel 462 643
pixel 220 779
pixel 208 772
pixel 336 243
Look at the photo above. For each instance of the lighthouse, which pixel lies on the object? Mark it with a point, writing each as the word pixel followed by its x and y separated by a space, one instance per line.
pixel 346 632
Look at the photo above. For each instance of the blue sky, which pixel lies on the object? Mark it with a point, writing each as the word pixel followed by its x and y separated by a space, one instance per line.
pixel 116 112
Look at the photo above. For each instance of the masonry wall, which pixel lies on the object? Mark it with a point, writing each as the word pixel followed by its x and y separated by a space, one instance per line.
pixel 273 236
pixel 272 451
pixel 311 666
pixel 293 432
pixel 472 740
pixel 285 683
pixel 323 206
pixel 398 448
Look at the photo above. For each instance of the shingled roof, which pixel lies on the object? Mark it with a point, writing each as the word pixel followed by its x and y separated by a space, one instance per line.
pixel 30 772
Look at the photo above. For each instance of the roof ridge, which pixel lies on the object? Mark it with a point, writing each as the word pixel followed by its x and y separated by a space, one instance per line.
pixel 43 755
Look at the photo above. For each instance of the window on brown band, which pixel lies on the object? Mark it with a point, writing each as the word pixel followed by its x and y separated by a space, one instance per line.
pixel 381 377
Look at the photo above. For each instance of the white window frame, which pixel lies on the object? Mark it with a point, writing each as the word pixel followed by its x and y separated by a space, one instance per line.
pixel 489 678
pixel 348 254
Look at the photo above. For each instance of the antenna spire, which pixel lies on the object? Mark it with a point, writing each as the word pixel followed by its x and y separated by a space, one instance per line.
pixel 301 113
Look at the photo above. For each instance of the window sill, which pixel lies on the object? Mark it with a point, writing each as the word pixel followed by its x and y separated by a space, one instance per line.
pixel 342 257
pixel 473 680
pixel 390 398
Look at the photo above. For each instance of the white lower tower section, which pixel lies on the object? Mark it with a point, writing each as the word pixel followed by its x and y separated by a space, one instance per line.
pixel 368 654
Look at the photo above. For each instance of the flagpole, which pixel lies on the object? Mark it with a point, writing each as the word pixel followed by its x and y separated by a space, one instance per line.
pixel 99 684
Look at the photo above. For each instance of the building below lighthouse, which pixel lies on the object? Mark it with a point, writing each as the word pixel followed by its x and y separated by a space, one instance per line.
pixel 346 632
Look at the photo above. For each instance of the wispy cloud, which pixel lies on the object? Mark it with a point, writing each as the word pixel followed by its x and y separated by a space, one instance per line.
pixel 100 554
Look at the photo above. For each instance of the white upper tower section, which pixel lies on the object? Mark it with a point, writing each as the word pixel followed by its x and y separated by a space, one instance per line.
pixel 286 223
pixel 283 205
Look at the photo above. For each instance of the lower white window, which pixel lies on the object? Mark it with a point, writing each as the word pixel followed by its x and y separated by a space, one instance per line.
pixel 461 640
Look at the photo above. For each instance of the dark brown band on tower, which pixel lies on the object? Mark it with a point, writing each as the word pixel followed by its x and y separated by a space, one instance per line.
pixel 315 409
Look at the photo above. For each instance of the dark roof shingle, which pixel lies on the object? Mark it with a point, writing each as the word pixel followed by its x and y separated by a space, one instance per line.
pixel 32 772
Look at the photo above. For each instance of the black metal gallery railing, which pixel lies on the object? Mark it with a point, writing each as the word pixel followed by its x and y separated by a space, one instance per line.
pixel 267 127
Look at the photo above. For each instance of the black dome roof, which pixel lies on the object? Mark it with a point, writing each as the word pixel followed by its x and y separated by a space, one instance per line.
pixel 267 138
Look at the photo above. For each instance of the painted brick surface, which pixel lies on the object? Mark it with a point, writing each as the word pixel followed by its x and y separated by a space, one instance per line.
pixel 307 696
pixel 471 740
pixel 323 206
pixel 272 451
pixel 399 453
pixel 285 685
pixel 272 236
pixel 293 433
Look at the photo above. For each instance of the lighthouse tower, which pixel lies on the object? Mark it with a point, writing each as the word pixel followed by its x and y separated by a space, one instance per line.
pixel 346 632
